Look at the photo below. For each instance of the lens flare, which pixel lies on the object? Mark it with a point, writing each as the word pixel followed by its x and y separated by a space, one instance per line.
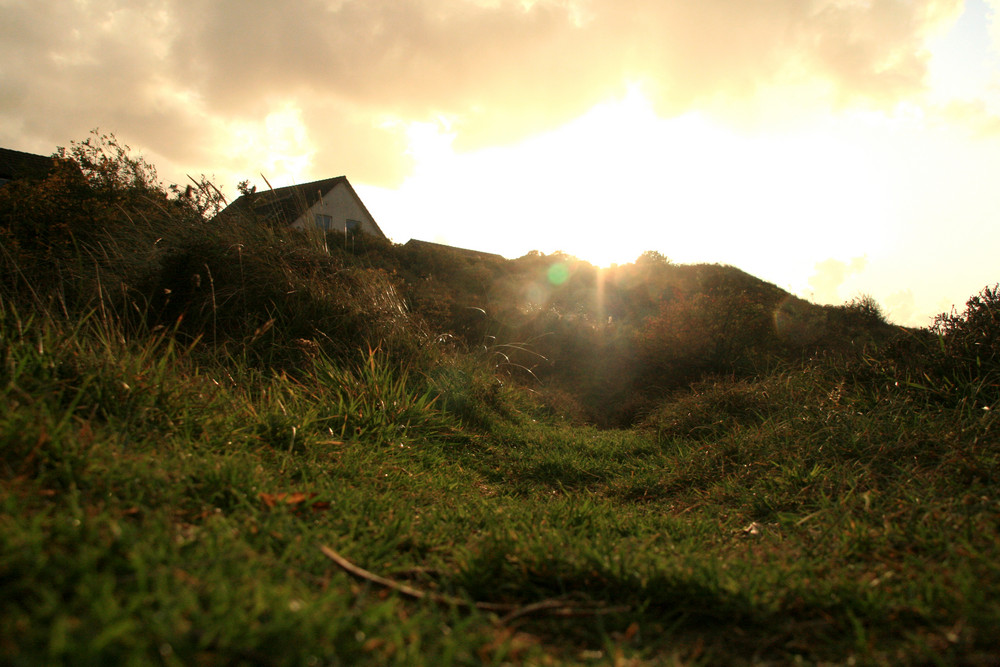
pixel 558 273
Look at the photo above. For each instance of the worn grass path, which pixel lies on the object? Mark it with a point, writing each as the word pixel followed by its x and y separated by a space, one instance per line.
pixel 155 512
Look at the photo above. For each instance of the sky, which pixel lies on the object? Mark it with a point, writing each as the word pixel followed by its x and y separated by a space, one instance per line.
pixel 836 148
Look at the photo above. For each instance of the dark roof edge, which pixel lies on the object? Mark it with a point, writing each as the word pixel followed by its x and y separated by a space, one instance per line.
pixel 14 162
pixel 464 251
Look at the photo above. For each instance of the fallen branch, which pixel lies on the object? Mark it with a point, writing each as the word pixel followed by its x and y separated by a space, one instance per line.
pixel 553 607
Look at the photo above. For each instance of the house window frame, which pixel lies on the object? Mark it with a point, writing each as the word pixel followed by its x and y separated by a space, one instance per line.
pixel 324 222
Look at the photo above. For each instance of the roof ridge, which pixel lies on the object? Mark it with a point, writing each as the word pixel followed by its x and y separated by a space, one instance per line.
pixel 14 150
pixel 332 181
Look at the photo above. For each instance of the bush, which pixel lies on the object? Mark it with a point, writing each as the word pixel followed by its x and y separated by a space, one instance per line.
pixel 82 233
pixel 266 290
pixel 969 348
pixel 956 362
pixel 100 233
pixel 974 335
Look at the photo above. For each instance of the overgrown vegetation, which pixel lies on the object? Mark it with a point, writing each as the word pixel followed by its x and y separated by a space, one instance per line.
pixel 200 410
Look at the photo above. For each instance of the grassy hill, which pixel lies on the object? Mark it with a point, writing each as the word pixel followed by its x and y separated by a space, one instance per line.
pixel 225 443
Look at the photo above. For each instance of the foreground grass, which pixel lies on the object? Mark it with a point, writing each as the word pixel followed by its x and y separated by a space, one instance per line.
pixel 158 510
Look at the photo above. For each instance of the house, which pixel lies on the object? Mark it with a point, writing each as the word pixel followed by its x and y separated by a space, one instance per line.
pixel 465 252
pixel 16 164
pixel 330 205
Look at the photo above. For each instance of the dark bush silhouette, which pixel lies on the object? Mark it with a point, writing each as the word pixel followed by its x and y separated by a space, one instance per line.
pixel 99 232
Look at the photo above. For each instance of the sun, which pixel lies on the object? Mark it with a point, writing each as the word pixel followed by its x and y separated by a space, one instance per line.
pixel 620 180
pixel 574 186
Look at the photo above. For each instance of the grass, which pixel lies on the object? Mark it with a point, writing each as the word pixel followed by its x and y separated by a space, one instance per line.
pixel 201 420
pixel 159 509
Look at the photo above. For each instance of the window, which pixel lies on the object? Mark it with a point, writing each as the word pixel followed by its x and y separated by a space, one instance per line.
pixel 324 222
pixel 353 225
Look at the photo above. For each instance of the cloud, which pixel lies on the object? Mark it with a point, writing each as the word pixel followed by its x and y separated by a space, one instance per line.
pixel 830 275
pixel 901 307
pixel 185 75
pixel 974 115
pixel 993 13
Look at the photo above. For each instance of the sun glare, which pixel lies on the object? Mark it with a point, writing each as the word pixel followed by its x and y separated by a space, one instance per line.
pixel 583 186
pixel 620 180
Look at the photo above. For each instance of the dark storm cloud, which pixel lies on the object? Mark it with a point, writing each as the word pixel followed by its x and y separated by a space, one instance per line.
pixel 175 74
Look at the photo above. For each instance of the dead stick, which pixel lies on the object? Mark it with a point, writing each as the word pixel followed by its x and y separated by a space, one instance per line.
pixel 553 606
pixel 409 591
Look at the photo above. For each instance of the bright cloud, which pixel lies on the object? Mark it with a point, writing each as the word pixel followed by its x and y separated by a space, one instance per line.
pixel 500 70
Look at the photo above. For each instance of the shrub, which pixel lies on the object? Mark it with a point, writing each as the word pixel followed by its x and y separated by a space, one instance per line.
pixel 264 290
pixel 973 335
pixel 82 233
pixel 956 362
pixel 969 347
pixel 863 310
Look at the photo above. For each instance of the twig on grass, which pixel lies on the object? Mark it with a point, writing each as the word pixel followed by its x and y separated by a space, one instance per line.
pixel 403 589
pixel 553 607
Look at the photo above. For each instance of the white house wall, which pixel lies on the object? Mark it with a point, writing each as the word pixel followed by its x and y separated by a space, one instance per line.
pixel 341 206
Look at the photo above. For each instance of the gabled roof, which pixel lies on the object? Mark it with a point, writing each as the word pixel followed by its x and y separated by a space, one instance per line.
pixel 286 205
pixel 16 164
